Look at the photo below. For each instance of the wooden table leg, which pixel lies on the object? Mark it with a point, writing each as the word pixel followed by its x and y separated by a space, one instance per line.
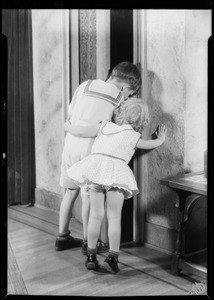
pixel 180 204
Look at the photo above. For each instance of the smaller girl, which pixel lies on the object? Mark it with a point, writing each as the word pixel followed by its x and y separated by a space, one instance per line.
pixel 106 175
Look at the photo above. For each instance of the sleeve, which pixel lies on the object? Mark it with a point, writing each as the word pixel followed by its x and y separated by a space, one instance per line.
pixel 75 100
pixel 134 136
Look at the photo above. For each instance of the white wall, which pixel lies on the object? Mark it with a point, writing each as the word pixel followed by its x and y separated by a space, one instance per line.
pixel 49 95
pixel 174 65
pixel 198 30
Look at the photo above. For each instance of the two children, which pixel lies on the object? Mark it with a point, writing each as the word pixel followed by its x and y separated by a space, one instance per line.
pixel 93 102
pixel 105 173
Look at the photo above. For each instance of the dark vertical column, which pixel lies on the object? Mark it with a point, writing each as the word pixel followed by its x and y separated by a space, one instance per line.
pixel 210 172
pixel 17 27
pixel 121 49
pixel 121 33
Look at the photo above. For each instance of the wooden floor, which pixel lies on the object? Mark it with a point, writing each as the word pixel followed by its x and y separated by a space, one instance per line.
pixel 35 268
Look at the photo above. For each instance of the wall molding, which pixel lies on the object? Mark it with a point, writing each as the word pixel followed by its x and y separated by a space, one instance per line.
pixel 140 59
pixel 103 42
pixel 160 238
pixel 47 199
pixel 65 63
pixel 87 44
pixel 74 49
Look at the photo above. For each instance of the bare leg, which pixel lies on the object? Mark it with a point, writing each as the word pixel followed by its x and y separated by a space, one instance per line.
pixel 85 217
pixel 85 213
pixel 66 209
pixel 114 202
pixel 95 217
pixel 104 229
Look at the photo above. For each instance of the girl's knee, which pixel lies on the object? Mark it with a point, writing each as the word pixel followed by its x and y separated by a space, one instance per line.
pixel 97 214
pixel 114 216
pixel 97 204
pixel 115 200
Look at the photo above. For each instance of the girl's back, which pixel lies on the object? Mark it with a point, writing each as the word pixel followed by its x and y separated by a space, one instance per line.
pixel 117 141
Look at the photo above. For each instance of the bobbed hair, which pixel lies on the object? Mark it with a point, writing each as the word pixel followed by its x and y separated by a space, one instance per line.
pixel 129 73
pixel 134 112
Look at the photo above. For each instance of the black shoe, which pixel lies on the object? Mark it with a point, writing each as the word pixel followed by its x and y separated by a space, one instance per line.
pixel 111 264
pixel 84 247
pixel 91 262
pixel 68 242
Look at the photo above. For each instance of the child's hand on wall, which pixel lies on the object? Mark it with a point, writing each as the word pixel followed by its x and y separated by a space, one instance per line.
pixel 161 132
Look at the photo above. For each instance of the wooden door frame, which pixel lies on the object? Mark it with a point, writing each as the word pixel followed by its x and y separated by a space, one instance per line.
pixel 140 59
pixel 137 44
pixel 103 65
pixel 122 49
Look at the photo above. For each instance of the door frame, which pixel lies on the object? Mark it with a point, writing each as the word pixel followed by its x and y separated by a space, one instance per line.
pixel 137 44
pixel 140 59
pixel 103 66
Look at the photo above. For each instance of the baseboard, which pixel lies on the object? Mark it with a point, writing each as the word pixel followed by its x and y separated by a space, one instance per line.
pixel 165 251
pixel 160 238
pixel 47 199
pixel 46 208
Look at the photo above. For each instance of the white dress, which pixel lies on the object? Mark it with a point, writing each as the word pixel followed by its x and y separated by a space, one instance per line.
pixel 93 102
pixel 107 165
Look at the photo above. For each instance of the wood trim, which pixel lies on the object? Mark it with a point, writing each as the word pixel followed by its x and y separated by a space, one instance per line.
pixel 159 237
pixel 137 208
pixel 65 64
pixel 47 199
pixel 87 44
pixel 136 37
pixel 141 174
pixel 74 49
pixel 103 42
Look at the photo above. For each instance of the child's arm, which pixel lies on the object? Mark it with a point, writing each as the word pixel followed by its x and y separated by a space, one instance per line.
pixel 151 144
pixel 82 131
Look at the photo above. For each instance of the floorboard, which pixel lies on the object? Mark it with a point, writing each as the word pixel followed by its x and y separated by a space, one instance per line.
pixel 42 219
pixel 16 283
pixel 44 271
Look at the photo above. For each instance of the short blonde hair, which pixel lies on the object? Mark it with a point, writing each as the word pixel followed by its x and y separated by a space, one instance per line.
pixel 133 111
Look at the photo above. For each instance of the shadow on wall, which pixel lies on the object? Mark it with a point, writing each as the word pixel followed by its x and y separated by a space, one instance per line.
pixel 169 159
pixel 164 161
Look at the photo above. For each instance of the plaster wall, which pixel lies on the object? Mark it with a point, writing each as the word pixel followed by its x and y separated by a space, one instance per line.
pixel 48 96
pixel 174 61
pixel 198 30
pixel 56 47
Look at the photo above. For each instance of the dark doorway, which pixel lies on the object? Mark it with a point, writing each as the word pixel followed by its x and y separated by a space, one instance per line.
pixel 121 41
pixel 19 105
